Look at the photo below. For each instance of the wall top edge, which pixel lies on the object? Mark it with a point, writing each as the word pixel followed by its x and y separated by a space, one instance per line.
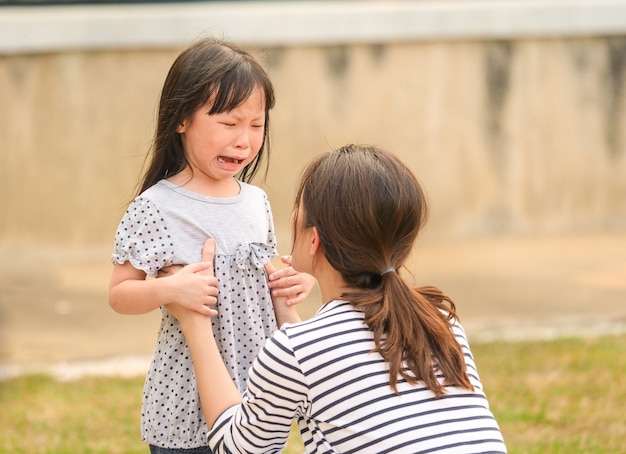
pixel 82 27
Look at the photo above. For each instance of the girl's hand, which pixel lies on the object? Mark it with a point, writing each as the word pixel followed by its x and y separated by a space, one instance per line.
pixel 289 283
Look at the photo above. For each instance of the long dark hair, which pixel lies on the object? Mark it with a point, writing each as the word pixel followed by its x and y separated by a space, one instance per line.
pixel 368 209
pixel 209 67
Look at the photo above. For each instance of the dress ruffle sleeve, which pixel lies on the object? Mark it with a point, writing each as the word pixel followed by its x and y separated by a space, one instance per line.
pixel 143 239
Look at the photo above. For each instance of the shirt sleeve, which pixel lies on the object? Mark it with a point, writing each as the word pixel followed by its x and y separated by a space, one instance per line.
pixel 277 393
pixel 143 238
pixel 472 371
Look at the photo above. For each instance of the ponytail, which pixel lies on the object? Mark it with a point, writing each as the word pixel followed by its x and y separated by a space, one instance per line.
pixel 413 332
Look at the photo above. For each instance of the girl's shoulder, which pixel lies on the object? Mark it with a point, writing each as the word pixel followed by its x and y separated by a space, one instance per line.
pixel 247 188
pixel 162 195
pixel 252 194
pixel 155 191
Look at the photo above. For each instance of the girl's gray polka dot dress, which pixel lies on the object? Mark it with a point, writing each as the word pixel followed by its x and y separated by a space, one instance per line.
pixel 168 225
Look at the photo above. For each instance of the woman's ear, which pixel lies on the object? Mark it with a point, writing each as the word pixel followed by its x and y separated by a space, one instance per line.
pixel 182 126
pixel 315 242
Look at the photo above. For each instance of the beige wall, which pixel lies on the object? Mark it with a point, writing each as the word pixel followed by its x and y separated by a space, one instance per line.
pixel 523 136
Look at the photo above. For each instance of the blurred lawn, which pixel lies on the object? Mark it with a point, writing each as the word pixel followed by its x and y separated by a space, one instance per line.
pixel 562 396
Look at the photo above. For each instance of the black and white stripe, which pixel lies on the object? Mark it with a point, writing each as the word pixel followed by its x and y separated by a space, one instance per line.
pixel 323 373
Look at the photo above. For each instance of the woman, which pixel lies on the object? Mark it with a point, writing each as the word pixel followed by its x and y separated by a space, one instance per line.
pixel 382 367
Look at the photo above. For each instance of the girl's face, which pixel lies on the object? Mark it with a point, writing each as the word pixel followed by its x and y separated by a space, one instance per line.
pixel 218 146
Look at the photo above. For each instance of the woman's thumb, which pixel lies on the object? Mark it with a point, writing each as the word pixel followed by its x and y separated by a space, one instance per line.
pixel 208 253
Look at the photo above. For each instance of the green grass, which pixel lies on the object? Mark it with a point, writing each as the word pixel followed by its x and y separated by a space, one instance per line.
pixel 562 396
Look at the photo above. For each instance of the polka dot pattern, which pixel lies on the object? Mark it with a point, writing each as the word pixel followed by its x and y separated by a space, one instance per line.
pixel 142 237
pixel 168 225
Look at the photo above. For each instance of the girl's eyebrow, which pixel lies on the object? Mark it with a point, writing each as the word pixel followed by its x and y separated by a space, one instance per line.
pixel 237 116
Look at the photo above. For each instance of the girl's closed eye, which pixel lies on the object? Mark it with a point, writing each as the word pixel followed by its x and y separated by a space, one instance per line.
pixel 225 118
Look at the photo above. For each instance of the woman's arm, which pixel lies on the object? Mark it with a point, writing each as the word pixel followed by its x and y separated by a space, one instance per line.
pixel 131 293
pixel 215 386
pixel 217 390
pixel 276 393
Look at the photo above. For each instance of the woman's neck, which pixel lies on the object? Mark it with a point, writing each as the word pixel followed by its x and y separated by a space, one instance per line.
pixel 331 284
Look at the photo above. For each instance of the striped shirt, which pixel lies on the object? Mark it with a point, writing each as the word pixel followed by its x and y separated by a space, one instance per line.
pixel 322 372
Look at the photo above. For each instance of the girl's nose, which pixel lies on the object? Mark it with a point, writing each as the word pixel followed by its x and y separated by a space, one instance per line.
pixel 243 139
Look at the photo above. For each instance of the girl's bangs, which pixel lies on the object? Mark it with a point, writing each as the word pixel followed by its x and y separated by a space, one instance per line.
pixel 234 88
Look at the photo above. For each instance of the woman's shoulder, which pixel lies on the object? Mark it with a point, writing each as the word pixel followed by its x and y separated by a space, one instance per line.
pixel 328 317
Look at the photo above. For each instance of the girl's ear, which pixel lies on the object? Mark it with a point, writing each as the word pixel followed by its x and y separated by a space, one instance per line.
pixel 182 126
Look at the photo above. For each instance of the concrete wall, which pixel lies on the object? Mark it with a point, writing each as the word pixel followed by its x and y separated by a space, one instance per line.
pixel 514 129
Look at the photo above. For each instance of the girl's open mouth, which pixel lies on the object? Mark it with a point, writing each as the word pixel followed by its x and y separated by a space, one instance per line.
pixel 229 160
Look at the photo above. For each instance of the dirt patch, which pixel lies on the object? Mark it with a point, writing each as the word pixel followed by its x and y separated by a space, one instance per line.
pixel 54 307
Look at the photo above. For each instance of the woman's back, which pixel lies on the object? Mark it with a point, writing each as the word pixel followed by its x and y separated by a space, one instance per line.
pixel 383 367
pixel 327 376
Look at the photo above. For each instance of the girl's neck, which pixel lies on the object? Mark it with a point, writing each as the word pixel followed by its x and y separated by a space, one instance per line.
pixel 204 185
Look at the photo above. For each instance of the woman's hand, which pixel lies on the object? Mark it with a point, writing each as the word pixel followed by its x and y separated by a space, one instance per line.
pixel 289 283
pixel 194 286
pixel 288 288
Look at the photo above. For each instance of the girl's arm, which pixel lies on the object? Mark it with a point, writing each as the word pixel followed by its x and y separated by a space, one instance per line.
pixel 131 293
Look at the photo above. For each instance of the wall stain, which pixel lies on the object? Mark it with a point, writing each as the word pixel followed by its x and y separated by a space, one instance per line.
pixel 580 57
pixel 378 52
pixel 616 50
pixel 20 68
pixel 582 53
pixel 273 56
pixel 498 79
pixel 337 65
pixel 337 61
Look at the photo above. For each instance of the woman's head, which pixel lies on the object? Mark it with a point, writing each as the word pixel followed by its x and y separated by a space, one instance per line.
pixel 368 209
pixel 210 69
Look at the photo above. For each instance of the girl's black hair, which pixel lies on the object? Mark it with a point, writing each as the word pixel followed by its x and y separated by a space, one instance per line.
pixel 208 68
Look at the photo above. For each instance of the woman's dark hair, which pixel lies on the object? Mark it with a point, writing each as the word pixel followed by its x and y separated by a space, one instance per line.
pixel 208 68
pixel 368 209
